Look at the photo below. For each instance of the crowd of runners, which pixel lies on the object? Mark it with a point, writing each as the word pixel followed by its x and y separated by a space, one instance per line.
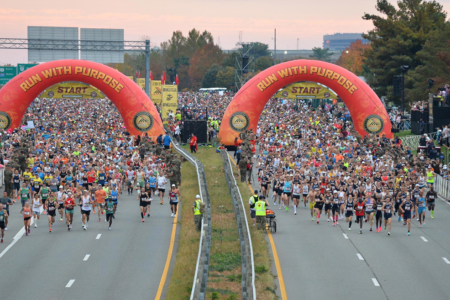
pixel 81 155
pixel 80 164
pixel 312 158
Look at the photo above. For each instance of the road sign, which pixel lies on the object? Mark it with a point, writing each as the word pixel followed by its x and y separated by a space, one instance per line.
pixel 7 73
pixel 23 67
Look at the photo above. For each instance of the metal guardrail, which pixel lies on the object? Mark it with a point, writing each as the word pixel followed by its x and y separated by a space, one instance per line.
pixel 412 141
pixel 245 240
pixel 442 186
pixel 201 270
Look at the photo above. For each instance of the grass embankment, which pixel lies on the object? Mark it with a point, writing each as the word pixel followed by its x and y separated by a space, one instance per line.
pixel 403 133
pixel 265 289
pixel 224 278
pixel 180 285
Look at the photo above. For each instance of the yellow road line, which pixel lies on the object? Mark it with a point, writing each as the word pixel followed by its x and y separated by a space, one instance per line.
pixel 169 256
pixel 274 251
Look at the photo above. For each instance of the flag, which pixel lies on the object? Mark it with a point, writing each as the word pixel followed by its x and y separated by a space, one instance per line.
pixel 164 76
pixel 162 79
pixel 138 74
pixel 177 80
pixel 151 75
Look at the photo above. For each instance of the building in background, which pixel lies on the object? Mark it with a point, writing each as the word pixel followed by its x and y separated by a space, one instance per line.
pixel 339 41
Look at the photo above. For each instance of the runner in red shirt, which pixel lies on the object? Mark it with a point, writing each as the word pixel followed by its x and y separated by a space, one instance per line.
pixel 360 207
pixel 70 205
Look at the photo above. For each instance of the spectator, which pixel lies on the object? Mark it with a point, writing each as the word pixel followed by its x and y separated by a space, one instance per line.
pixel 422 126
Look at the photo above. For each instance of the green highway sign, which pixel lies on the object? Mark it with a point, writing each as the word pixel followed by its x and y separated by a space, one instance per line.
pixel 23 67
pixel 7 73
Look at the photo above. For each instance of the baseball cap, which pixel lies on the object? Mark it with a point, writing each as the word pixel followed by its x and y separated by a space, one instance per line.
pixel 198 196
pixel 173 184
pixel 60 186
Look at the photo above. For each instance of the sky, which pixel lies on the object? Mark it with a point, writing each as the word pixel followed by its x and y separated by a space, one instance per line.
pixel 307 21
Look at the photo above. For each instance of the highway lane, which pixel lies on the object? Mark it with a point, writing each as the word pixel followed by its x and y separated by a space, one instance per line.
pixel 126 262
pixel 322 262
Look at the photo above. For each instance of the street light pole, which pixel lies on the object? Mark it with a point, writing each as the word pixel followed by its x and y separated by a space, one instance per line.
pixel 275 47
pixel 147 67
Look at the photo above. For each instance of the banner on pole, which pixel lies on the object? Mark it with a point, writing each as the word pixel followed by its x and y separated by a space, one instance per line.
pixel 131 77
pixel 306 90
pixel 155 92
pixel 169 100
pixel 141 82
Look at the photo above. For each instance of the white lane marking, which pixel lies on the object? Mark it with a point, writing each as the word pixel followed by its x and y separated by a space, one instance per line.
pixel 71 281
pixel 98 236
pixel 359 256
pixel 375 282
pixel 86 257
pixel 424 239
pixel 18 236
pixel 446 260
pixel 345 236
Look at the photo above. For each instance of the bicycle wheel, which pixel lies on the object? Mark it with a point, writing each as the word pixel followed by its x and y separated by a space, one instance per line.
pixel 274 226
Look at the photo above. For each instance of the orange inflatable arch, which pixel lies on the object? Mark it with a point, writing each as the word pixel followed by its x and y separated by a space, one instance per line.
pixel 243 112
pixel 137 110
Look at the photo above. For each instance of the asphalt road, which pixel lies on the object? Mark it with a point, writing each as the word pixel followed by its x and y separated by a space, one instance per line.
pixel 124 263
pixel 319 261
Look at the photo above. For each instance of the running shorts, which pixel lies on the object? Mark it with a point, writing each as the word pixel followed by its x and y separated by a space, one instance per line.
pixel 143 204
pixel 61 206
pixel 327 206
pixel 109 216
pixel 335 208
pixel 348 213
pixel 422 209
pixel 173 203
pixel 86 212
pixel 311 205
pixel 387 216
pixel 296 196
pixel 407 215
pixel 2 225
pixel 161 190
pixel 16 186
pixel 69 211
pixel 37 212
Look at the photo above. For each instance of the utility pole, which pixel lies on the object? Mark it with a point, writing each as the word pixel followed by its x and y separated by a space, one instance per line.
pixel 147 67
pixel 275 47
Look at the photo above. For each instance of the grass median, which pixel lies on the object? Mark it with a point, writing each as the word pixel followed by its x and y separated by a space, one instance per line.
pixel 180 285
pixel 224 277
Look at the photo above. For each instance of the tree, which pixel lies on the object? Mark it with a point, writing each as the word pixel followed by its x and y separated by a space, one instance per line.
pixel 352 57
pixel 230 59
pixel 397 38
pixel 263 63
pixel 209 80
pixel 255 49
pixel 202 60
pixel 225 78
pixel 321 54
pixel 435 56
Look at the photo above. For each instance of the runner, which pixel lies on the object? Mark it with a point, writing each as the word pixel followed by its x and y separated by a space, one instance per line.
pixel 69 206
pixel 24 197
pixel 85 204
pixel 115 199
pixel 37 204
pixel 359 212
pixel 26 211
pixel 161 187
pixel 3 217
pixel 143 198
pixel 349 211
pixel 61 197
pixel 421 203
pixel 100 196
pixel 6 202
pixel 296 190
pixel 174 195
pixel 406 207
pixel 335 208
pixel 369 210
pixel 387 208
pixel 52 203
pixel 431 200
pixel 110 212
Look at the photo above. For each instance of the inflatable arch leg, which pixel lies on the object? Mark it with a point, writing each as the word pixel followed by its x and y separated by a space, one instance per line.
pixel 368 113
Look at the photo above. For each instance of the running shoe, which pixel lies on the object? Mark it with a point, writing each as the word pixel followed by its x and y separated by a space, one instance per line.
pixel 45 212
pixel 161 203
pixel 349 229
pixel 337 223
pixel 84 227
pixel 370 229
pixel 171 214
pixel 334 224
pixel 420 225
pixel 35 225
pixel 432 217
pixel 26 234
pixel 417 219
pixel 399 218
pixel 360 231
pixel 109 228
pixel 389 233
pixel 115 217
pixel 1 241
pixel 143 220
pixel 312 219
pixel 50 231
pixel 148 215
pixel 317 221
pixel 424 224
pixel 279 207
pixel 381 229
pixel 328 220
pixel 409 233
pixel 6 228
pixel 61 219
pixel 29 230
pixel 295 213
pixel 94 211
pixel 377 229
pixel 99 219
pixel 287 209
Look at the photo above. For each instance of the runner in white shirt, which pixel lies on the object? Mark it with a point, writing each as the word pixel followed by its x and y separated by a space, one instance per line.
pixel 85 203
pixel 161 186
pixel 37 203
